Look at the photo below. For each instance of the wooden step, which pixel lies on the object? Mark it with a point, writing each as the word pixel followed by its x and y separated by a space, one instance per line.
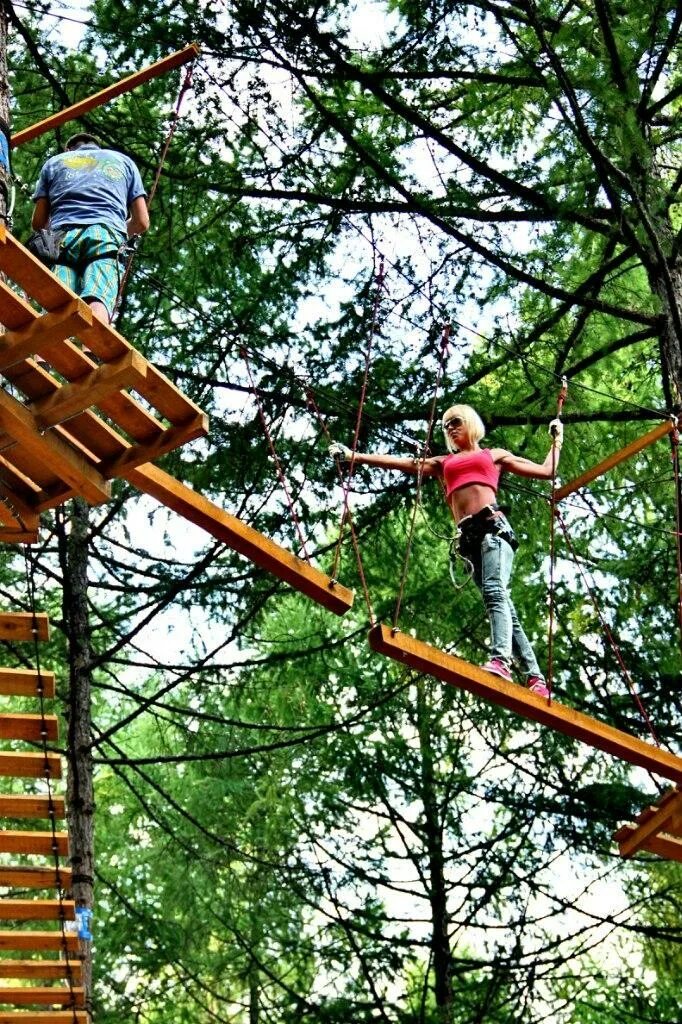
pixel 42 996
pixel 32 806
pixel 53 940
pixel 39 843
pixel 34 969
pixel 29 727
pixel 23 682
pixel 44 1017
pixel 37 910
pixel 19 626
pixel 30 766
pixel 19 877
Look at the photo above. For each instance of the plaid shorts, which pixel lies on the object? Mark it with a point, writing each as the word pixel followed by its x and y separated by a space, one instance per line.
pixel 84 270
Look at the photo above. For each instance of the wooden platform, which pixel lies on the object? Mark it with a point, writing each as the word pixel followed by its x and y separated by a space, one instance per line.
pixel 450 669
pixel 658 829
pixel 73 420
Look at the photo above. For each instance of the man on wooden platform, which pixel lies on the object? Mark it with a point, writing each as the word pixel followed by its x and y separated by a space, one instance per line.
pixel 94 196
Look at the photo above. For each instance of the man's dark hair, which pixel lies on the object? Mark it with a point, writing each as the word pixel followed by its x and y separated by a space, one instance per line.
pixel 81 139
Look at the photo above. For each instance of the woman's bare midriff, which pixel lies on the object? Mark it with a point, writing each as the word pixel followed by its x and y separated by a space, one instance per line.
pixel 468 500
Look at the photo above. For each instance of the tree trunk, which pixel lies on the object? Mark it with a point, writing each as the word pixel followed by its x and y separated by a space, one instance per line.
pixel 433 830
pixel 73 550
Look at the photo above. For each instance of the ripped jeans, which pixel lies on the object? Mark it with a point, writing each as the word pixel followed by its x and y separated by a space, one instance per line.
pixel 491 554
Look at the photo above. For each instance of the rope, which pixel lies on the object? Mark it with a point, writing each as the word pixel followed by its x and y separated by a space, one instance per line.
pixel 609 635
pixel 561 398
pixel 444 343
pixel 380 279
pixel 30 582
pixel 278 465
pixel 675 445
pixel 131 245
pixel 312 404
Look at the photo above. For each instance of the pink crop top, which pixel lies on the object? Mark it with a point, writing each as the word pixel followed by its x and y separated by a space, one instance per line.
pixel 470 468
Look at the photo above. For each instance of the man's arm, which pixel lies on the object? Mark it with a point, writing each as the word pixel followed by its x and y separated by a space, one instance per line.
pixel 41 214
pixel 138 221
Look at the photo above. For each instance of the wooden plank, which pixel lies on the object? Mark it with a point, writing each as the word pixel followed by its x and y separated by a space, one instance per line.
pixel 43 844
pixel 30 766
pixel 44 1017
pixel 52 940
pixel 21 805
pixel 43 332
pixel 50 449
pixel 665 846
pixel 29 727
pixel 450 669
pixel 24 682
pixel 167 441
pixel 657 818
pixel 21 626
pixel 613 460
pixel 128 371
pixel 241 538
pixel 37 995
pixel 41 969
pixel 76 110
pixel 20 877
pixel 18 536
pixel 37 910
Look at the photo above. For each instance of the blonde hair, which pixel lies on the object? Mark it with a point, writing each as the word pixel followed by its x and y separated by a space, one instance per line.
pixel 471 421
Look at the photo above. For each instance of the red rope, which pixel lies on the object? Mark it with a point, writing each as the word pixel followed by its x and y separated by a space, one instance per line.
pixel 175 117
pixel 675 444
pixel 609 635
pixel 312 404
pixel 561 398
pixel 445 340
pixel 380 279
pixel 278 466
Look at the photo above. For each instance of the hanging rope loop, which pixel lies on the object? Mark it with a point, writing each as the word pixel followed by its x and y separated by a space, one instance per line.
pixel 553 513
pixel 129 248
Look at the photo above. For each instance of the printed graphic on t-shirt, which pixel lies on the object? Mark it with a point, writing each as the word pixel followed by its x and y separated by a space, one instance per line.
pixel 82 163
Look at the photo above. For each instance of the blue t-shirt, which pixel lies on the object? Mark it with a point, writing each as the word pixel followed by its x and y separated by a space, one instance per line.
pixel 89 185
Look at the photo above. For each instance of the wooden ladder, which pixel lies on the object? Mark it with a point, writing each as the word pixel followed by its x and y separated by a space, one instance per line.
pixel 45 988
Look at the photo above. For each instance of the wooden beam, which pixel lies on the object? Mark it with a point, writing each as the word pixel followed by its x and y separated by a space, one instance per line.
pixel 129 371
pixel 167 441
pixel 20 626
pixel 12 877
pixel 44 1017
pixel 63 461
pixel 36 995
pixel 29 727
pixel 30 766
pixel 9 536
pixel 241 538
pixel 37 910
pixel 41 969
pixel 174 60
pixel 39 940
pixel 25 682
pixel 43 332
pixel 450 669
pixel 663 845
pixel 613 460
pixel 658 818
pixel 43 844
pixel 22 805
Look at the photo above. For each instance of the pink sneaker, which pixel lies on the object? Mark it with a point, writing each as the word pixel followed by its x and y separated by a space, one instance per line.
pixel 498 668
pixel 537 685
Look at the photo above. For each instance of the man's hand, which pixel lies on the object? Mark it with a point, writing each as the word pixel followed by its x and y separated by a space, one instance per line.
pixel 340 451
pixel 556 429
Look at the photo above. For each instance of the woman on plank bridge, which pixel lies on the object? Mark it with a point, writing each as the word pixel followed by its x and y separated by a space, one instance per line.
pixel 470 475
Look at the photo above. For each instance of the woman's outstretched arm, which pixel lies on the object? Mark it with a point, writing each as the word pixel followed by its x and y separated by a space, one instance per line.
pixel 526 467
pixel 427 467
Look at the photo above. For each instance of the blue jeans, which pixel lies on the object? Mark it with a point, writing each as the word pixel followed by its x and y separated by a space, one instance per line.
pixel 492 571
